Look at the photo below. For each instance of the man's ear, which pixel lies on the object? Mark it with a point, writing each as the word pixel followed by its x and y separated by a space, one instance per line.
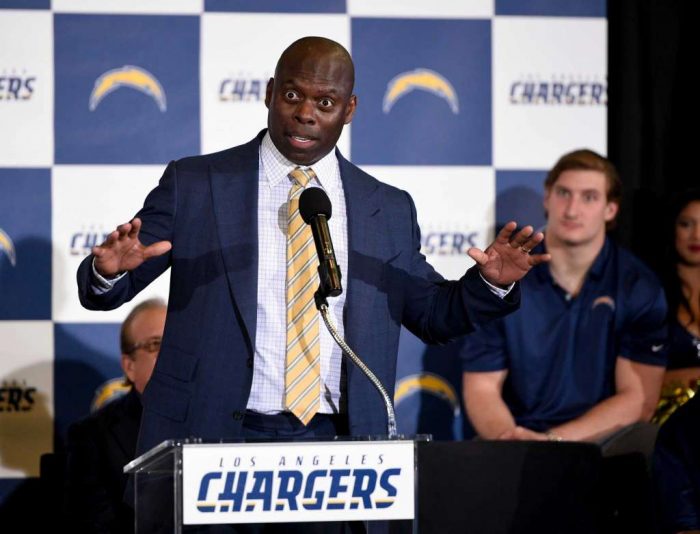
pixel 350 111
pixel 128 366
pixel 611 209
pixel 268 92
pixel 545 199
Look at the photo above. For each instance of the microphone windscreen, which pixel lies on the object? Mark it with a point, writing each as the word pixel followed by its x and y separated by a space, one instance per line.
pixel 313 202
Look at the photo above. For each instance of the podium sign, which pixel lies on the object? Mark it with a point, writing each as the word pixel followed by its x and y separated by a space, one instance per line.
pixel 295 482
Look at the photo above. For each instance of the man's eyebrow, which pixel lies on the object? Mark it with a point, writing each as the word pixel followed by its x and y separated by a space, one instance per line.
pixel 330 89
pixel 582 191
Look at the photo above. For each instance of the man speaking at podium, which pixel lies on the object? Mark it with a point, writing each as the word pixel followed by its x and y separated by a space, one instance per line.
pixel 243 353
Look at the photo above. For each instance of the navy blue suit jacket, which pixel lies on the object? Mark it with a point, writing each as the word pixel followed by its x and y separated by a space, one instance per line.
pixel 207 207
pixel 98 448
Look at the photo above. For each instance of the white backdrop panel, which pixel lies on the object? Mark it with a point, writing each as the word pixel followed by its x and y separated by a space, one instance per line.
pixel 129 6
pixel 421 8
pixel 26 89
pixel 570 52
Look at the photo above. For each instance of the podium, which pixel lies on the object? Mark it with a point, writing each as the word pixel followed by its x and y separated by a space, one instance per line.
pixel 395 486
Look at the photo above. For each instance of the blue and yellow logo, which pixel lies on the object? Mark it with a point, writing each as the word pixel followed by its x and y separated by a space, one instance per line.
pixel 128 76
pixel 428 383
pixel 8 247
pixel 605 300
pixel 420 79
pixel 292 489
pixel 109 391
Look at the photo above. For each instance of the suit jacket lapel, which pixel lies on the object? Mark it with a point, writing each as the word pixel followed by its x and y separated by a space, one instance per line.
pixel 234 185
pixel 364 276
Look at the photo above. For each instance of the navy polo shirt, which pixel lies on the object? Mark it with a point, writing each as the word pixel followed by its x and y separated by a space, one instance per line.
pixel 560 352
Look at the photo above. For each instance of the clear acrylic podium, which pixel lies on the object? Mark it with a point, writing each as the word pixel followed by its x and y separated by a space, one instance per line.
pixel 182 485
pixel 459 487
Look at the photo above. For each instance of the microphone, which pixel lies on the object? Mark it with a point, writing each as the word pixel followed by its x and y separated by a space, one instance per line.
pixel 315 208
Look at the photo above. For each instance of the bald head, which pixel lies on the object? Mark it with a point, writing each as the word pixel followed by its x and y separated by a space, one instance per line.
pixel 310 99
pixel 313 49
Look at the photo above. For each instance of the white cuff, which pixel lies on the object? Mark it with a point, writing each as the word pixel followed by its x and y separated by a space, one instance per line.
pixel 498 291
pixel 100 284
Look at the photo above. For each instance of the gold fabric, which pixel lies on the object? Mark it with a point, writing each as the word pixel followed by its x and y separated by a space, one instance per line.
pixel 303 361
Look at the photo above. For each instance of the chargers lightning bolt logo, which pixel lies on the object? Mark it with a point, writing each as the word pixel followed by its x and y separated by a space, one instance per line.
pixel 8 247
pixel 424 80
pixel 128 76
pixel 428 383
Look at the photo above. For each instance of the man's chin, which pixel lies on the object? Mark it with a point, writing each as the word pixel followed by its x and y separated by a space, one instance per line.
pixel 301 157
pixel 576 241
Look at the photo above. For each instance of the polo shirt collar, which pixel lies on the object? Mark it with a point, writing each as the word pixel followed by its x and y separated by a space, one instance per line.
pixel 596 271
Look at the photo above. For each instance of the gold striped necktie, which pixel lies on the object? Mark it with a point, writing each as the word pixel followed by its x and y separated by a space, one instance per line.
pixel 302 377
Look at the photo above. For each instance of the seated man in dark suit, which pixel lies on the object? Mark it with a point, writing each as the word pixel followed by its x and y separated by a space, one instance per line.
pixel 100 445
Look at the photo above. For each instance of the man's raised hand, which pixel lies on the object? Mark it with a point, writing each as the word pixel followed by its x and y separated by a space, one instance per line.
pixel 508 258
pixel 123 251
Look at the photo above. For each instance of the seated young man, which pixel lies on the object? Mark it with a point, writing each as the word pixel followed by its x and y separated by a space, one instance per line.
pixel 584 356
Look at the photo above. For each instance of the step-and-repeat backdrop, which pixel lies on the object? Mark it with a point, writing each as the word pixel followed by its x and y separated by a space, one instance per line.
pixel 463 104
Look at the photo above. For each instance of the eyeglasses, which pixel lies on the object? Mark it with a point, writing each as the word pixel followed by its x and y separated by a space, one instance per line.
pixel 150 345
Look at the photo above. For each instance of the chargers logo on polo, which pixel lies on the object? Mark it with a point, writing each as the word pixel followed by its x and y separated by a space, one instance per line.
pixel 7 247
pixel 420 79
pixel 425 101
pixel 304 481
pixel 128 76
pixel 118 98
pixel 605 300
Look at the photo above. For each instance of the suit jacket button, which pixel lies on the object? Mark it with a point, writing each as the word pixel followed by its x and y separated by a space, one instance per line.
pixel 238 415
pixel 249 362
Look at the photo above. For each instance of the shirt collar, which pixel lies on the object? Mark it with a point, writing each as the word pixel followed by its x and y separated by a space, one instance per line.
pixel 596 271
pixel 598 268
pixel 277 168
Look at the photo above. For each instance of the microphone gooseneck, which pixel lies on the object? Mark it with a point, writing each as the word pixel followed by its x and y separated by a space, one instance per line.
pixel 391 415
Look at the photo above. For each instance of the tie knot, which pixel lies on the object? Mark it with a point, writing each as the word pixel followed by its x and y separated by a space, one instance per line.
pixel 302 176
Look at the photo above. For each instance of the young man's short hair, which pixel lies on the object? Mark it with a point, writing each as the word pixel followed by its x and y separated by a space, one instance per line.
pixel 587 160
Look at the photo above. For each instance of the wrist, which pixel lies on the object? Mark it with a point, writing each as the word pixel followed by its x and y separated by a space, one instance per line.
pixel 104 283
pixel 106 276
